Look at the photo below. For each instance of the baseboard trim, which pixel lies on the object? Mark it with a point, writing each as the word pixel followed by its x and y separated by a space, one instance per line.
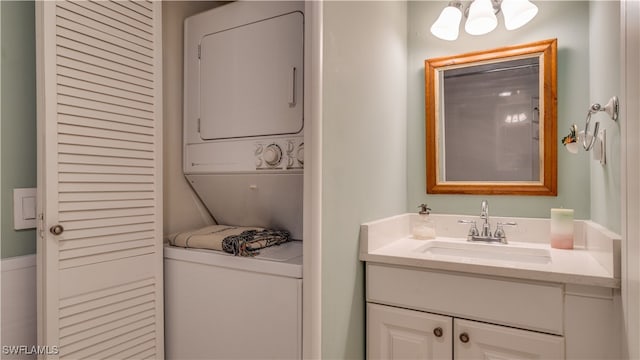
pixel 18 262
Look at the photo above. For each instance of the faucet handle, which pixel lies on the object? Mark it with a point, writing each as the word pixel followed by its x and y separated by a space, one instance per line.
pixel 473 231
pixel 499 233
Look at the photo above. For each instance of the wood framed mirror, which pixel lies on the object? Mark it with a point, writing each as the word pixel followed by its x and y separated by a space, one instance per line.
pixel 491 121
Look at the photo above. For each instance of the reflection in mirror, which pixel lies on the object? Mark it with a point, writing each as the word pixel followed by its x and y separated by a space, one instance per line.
pixel 491 121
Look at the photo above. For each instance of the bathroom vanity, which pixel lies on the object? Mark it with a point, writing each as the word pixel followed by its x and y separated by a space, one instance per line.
pixel 451 299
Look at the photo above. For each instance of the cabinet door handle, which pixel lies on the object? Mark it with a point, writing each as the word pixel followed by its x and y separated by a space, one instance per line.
pixel 464 337
pixel 438 332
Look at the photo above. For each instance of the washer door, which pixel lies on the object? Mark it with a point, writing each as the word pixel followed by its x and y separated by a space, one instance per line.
pixel 251 79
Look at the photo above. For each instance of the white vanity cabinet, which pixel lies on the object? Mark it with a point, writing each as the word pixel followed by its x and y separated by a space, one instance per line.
pixel 416 313
pixel 396 333
pixel 476 340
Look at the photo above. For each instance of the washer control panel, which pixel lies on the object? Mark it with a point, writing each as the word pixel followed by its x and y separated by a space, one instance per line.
pixel 285 154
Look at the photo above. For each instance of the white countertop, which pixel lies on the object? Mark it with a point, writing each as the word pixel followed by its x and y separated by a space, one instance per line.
pixel 593 262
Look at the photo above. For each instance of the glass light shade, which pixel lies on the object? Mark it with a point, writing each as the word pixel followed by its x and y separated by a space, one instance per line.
pixel 447 25
pixel 482 18
pixel 517 13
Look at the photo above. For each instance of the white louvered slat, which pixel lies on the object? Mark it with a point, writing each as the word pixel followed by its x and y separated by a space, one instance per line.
pixel 89 350
pixel 102 142
pixel 67 333
pixel 139 351
pixel 100 88
pixel 89 187
pixel 105 257
pixel 105 169
pixel 102 249
pixel 101 111
pixel 146 4
pixel 145 317
pixel 98 65
pixel 93 114
pixel 125 286
pixel 113 25
pixel 103 106
pixel 104 151
pixel 100 7
pixel 136 7
pixel 105 46
pixel 97 34
pixel 139 348
pixel 99 304
pixel 113 230
pixel 145 22
pixel 101 27
pixel 100 72
pixel 109 239
pixel 102 196
pixel 98 124
pixel 105 178
pixel 106 98
pixel 103 54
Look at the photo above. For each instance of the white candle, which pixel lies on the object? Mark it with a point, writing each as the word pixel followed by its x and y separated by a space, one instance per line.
pixel 562 228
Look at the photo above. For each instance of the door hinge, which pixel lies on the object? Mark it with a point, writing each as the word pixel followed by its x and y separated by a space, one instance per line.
pixel 199 51
pixel 198 125
pixel 41 225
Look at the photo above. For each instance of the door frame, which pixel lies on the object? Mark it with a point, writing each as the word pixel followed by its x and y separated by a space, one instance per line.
pixel 312 198
pixel 630 174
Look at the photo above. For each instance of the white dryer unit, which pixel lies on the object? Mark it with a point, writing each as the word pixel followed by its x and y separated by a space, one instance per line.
pixel 243 113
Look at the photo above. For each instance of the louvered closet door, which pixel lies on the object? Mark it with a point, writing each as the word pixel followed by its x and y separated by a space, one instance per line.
pixel 99 127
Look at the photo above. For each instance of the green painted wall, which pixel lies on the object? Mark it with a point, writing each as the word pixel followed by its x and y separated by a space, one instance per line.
pixel 604 75
pixel 568 21
pixel 18 162
pixel 363 153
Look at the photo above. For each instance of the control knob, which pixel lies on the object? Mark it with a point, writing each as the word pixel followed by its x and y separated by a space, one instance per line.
pixel 272 155
pixel 300 154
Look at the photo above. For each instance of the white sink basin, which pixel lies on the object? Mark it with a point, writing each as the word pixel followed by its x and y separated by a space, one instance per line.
pixel 488 251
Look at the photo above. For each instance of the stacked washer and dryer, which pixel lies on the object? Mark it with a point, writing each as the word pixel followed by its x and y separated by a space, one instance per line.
pixel 244 157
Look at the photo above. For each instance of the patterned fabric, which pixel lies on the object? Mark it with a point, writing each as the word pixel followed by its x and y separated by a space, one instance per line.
pixel 249 242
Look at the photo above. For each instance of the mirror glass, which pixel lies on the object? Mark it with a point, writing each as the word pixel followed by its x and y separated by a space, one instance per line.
pixel 491 121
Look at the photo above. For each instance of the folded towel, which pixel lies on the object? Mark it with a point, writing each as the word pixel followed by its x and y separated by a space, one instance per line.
pixel 209 237
pixel 237 240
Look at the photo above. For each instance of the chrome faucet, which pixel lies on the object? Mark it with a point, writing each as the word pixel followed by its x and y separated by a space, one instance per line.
pixel 485 234
pixel 484 215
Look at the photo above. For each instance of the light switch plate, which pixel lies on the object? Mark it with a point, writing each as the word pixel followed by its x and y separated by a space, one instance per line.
pixel 24 208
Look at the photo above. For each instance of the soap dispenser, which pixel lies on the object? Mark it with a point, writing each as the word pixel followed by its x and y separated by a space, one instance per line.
pixel 423 228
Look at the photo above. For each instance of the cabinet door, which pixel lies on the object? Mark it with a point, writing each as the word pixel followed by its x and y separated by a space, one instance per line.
pixel 394 333
pixel 474 340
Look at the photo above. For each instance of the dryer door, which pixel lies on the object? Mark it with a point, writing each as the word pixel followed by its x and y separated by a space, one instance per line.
pixel 251 79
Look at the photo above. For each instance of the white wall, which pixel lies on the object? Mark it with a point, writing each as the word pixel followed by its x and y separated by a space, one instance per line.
pixel 604 79
pixel 363 150
pixel 182 208
pixel 18 293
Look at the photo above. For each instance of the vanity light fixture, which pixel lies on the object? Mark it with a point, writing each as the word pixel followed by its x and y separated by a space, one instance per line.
pixel 481 17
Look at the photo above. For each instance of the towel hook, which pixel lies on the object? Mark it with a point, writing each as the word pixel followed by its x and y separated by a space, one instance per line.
pixel 611 109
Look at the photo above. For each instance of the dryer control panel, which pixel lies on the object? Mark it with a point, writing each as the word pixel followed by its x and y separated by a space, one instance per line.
pixel 267 154
pixel 283 154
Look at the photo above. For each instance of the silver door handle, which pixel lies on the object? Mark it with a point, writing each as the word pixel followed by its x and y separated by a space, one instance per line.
pixel 56 229
pixel 292 83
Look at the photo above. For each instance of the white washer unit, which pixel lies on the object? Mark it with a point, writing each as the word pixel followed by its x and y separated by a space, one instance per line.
pixel 244 157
